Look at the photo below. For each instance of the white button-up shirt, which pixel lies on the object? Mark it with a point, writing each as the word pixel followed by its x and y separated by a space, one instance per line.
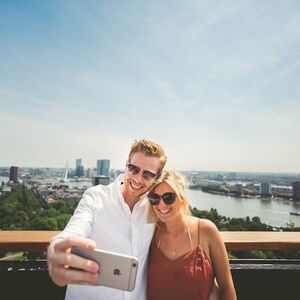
pixel 103 216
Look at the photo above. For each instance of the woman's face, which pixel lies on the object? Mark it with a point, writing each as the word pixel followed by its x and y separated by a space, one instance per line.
pixel 166 212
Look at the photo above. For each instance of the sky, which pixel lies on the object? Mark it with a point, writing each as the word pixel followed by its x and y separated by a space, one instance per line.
pixel 216 83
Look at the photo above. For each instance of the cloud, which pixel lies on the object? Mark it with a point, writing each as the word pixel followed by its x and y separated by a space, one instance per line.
pixel 216 82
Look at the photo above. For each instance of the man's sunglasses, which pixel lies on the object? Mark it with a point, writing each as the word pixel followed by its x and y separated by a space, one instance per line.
pixel 147 175
pixel 168 198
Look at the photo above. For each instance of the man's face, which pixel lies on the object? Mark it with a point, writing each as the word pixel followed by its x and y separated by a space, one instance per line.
pixel 139 175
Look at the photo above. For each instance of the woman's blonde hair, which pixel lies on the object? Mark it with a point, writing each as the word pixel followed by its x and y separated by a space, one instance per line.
pixel 177 182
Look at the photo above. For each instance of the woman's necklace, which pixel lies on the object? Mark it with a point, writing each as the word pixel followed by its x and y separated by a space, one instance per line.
pixel 175 251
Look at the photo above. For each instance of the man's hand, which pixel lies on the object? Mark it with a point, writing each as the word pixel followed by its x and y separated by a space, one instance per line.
pixel 65 267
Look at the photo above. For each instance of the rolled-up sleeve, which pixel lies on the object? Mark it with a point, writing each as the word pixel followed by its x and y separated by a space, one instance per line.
pixel 80 223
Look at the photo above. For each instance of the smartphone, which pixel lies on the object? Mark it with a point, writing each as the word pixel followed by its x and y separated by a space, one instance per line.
pixel 116 270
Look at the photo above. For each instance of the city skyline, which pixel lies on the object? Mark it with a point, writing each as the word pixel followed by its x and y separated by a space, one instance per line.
pixel 216 84
pixel 191 171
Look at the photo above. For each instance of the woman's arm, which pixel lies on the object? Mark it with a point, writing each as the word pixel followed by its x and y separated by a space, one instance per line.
pixel 220 262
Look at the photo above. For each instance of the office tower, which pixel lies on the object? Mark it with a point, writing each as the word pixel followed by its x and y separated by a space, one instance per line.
pixel 89 173
pixel 14 173
pixel 103 167
pixel 265 189
pixel 79 170
pixel 296 190
pixel 238 189
pixel 78 162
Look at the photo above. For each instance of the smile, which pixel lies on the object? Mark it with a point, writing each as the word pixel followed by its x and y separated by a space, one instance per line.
pixel 135 187
pixel 164 211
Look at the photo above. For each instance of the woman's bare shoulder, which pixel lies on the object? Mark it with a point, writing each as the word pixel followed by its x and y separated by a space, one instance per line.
pixel 207 226
pixel 207 230
pixel 205 223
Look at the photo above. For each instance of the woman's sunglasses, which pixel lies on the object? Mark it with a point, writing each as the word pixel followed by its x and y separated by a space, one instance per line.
pixel 147 175
pixel 168 198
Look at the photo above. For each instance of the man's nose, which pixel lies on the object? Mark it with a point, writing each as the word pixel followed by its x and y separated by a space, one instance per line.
pixel 139 176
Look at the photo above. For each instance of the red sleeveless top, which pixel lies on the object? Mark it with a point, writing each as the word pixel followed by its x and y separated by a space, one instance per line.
pixel 189 277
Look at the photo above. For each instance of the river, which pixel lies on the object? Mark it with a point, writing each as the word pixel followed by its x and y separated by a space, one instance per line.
pixel 271 212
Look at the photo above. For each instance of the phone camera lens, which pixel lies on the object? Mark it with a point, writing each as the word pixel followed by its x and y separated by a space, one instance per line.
pixel 134 265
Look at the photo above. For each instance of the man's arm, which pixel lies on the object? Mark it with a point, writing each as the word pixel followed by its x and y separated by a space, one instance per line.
pixel 65 267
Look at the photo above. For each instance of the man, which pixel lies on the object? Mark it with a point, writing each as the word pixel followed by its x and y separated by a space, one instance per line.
pixel 113 218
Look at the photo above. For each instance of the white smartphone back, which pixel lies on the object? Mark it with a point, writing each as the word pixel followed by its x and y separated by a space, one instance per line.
pixel 116 270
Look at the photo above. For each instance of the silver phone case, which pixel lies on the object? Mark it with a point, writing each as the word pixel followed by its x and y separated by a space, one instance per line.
pixel 116 270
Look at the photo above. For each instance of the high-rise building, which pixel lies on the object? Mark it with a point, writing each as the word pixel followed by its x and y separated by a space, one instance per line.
pixel 79 170
pixel 238 189
pixel 78 162
pixel 103 167
pixel 265 189
pixel 89 173
pixel 14 173
pixel 296 190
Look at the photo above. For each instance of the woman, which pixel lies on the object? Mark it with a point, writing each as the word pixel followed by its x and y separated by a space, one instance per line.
pixel 186 253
